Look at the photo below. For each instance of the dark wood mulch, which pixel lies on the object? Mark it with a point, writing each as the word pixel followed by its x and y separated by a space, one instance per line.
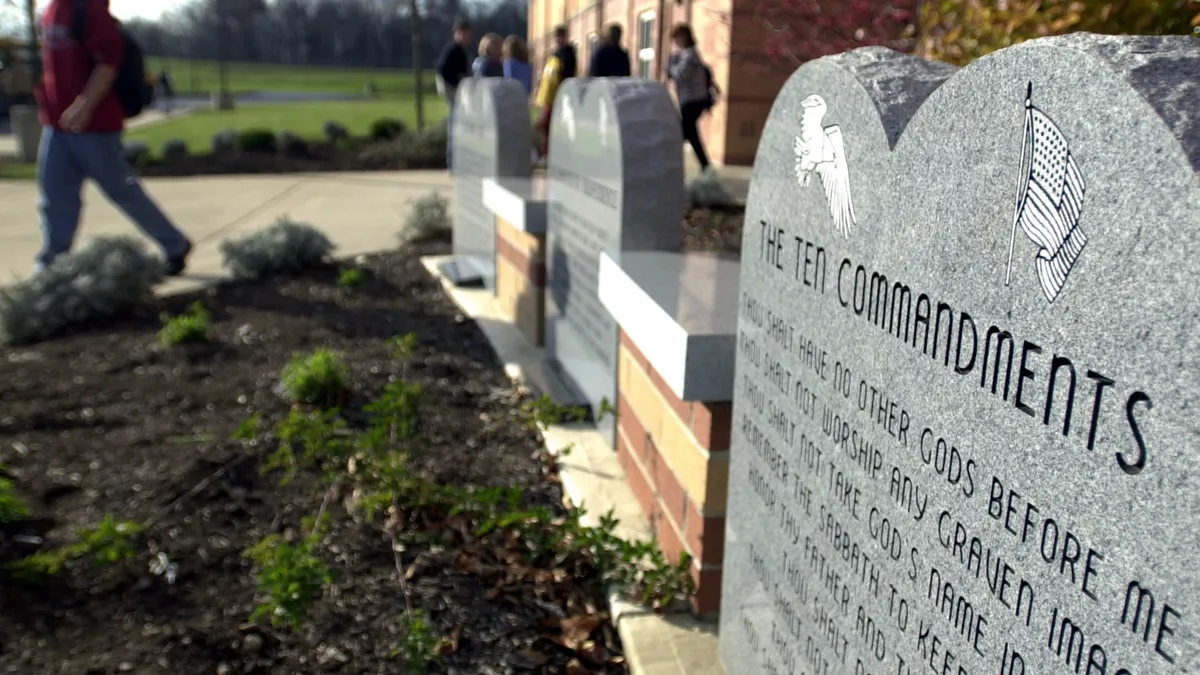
pixel 107 421
pixel 351 155
pixel 714 229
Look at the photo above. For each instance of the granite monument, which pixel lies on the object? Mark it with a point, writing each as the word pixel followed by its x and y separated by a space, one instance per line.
pixel 965 434
pixel 491 139
pixel 615 184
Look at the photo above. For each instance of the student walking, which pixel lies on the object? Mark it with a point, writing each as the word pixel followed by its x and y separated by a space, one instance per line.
pixel 453 67
pixel 516 63
pixel 560 65
pixel 166 92
pixel 693 87
pixel 610 59
pixel 83 119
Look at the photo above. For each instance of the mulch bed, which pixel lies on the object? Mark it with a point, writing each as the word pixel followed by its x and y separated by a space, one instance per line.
pixel 716 230
pixel 107 421
pixel 351 155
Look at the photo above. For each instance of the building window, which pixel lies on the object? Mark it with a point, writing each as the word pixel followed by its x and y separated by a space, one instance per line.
pixel 646 44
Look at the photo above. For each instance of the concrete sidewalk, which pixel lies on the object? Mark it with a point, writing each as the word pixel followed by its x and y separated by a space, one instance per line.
pixel 359 212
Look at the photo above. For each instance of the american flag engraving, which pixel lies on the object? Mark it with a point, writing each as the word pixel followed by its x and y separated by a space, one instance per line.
pixel 1049 201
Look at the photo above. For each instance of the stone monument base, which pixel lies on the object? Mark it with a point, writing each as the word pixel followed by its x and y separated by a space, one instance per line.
pixel 677 315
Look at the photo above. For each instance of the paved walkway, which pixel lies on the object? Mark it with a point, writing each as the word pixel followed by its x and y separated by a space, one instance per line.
pixel 359 212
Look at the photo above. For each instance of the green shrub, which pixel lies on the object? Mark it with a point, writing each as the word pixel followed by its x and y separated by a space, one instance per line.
pixel 412 150
pixel 321 378
pixel 335 132
pixel 292 145
pixel 386 128
pixel 109 276
pixel 707 190
pixel 224 141
pixel 194 325
pixel 174 150
pixel 428 219
pixel 351 278
pixel 12 507
pixel 136 152
pixel 286 246
pixel 107 544
pixel 256 140
pixel 290 576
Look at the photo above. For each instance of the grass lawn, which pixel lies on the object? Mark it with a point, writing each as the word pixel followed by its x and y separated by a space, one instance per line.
pixel 202 77
pixel 14 170
pixel 303 119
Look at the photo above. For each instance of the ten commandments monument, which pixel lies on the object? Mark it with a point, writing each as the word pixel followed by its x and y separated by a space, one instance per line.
pixel 966 436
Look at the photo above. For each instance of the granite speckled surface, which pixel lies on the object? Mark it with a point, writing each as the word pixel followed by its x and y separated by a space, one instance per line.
pixel 615 184
pixel 965 421
pixel 491 139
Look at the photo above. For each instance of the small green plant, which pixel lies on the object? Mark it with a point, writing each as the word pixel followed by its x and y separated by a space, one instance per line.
pixel 351 278
pixel 194 325
pixel 321 378
pixel 419 643
pixel 256 140
pixel 542 412
pixel 386 128
pixel 428 219
pixel 404 346
pixel 250 429
pixel 397 410
pixel 606 409
pixel 12 507
pixel 290 576
pixel 307 440
pixel 107 544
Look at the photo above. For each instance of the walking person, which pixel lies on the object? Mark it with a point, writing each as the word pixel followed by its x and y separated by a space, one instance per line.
pixel 166 91
pixel 489 63
pixel 83 120
pixel 610 59
pixel 516 63
pixel 693 87
pixel 453 67
pixel 561 65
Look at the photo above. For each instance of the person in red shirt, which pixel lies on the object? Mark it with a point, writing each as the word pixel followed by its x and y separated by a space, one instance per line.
pixel 81 139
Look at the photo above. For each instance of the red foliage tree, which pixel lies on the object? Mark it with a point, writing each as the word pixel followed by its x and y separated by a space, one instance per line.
pixel 795 31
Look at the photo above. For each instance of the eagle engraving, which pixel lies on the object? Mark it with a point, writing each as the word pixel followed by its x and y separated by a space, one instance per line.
pixel 820 149
pixel 568 117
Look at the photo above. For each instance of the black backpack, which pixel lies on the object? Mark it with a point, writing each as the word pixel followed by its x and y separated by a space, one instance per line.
pixel 132 89
pixel 710 88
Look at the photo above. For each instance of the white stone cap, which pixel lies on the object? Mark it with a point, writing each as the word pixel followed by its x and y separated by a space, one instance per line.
pixel 520 201
pixel 680 309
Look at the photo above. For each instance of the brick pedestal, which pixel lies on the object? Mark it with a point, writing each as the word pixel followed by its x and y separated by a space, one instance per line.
pixel 675 454
pixel 521 279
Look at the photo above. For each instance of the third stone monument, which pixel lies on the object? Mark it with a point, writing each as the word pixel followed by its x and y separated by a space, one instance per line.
pixel 491 139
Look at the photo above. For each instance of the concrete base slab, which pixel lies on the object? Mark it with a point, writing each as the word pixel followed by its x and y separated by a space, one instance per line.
pixel 654 644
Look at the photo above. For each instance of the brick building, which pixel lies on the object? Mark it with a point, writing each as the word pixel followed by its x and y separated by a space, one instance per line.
pixel 724 29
